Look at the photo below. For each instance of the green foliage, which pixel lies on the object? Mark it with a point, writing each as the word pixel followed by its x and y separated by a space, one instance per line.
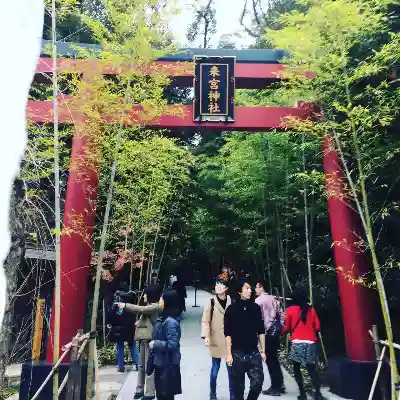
pixel 36 179
pixel 107 354
pixel 152 172
pixel 351 49
pixel 252 199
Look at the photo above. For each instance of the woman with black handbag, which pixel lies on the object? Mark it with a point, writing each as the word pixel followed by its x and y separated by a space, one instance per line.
pixel 165 355
pixel 144 328
pixel 303 324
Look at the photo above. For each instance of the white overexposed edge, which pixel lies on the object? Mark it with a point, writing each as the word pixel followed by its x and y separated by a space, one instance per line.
pixel 21 26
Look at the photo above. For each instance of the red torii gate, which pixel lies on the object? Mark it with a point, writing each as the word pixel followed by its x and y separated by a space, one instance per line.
pixel 254 69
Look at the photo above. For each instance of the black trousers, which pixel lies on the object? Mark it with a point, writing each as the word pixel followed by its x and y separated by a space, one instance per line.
pixel 312 372
pixel 250 364
pixel 272 345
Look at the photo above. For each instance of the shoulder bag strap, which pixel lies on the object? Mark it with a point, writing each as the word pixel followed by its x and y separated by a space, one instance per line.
pixel 296 325
pixel 212 309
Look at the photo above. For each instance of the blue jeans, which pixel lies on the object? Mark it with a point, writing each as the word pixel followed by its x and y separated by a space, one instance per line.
pixel 120 354
pixel 216 364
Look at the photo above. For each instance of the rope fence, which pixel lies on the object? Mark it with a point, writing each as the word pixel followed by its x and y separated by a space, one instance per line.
pixel 381 347
pixel 72 380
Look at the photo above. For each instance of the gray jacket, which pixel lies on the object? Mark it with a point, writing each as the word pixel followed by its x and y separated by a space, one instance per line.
pixel 167 337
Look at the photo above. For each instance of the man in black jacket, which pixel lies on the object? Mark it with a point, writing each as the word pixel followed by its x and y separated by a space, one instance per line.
pixel 123 328
pixel 245 341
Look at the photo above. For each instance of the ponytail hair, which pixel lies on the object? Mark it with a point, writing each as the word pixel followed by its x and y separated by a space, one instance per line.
pixel 300 299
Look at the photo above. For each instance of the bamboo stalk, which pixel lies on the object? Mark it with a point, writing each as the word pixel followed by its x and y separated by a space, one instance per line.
pixel 133 249
pixel 96 370
pixel 169 234
pixel 144 245
pixel 57 206
pixel 104 323
pixel 266 243
pixel 151 265
pixel 308 254
pixel 287 279
pixel 323 348
pixel 156 236
pixel 265 216
pixel 286 254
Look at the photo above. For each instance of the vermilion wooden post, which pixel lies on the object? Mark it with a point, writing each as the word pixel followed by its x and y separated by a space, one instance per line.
pixel 356 300
pixel 76 241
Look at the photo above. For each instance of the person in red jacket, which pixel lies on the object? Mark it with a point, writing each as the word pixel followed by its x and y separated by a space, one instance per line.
pixel 302 322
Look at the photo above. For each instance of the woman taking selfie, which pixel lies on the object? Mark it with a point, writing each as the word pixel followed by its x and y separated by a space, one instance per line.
pixel 165 347
pixel 302 322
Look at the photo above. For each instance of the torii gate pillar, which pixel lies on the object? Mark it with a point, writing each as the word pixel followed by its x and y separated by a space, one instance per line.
pixel 349 376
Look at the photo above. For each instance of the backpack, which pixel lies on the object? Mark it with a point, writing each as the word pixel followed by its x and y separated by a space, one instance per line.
pixel 276 327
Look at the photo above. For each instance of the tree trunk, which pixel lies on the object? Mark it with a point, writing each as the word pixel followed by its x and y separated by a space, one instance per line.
pixel 11 265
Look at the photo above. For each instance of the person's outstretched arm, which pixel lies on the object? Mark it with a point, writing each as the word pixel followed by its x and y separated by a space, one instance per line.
pixel 145 310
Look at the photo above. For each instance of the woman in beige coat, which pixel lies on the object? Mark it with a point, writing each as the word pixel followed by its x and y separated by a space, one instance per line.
pixel 213 333
pixel 145 388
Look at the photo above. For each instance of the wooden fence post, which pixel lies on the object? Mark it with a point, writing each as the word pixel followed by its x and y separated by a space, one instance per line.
pixel 75 371
pixel 379 355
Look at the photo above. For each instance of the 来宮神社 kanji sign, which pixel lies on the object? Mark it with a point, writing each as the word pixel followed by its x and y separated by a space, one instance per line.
pixel 214 89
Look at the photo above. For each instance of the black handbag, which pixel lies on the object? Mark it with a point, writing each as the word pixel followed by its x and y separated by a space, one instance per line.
pixel 150 367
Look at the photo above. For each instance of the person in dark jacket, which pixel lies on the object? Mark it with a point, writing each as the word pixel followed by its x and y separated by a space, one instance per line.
pixel 123 328
pixel 166 348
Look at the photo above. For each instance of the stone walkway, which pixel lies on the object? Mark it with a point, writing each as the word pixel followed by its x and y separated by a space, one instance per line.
pixel 196 363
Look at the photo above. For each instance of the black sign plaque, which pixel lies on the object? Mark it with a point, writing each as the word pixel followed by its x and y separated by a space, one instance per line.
pixel 214 89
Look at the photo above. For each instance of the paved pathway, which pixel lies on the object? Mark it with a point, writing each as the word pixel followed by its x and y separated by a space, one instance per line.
pixel 196 363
